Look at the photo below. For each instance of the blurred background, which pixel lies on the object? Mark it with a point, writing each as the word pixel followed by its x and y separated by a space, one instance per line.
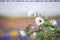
pixel 14 15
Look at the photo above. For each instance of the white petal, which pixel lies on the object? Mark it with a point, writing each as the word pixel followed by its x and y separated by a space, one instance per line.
pixel 52 28
pixel 53 22
pixel 34 34
pixel 22 33
pixel 31 13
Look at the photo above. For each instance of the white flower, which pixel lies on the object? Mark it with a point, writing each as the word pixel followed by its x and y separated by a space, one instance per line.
pixel 32 14
pixel 53 22
pixel 51 28
pixel 39 21
pixel 22 33
pixel 33 36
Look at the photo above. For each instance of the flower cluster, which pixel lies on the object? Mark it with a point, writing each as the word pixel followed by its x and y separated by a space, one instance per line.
pixel 46 29
pixel 39 21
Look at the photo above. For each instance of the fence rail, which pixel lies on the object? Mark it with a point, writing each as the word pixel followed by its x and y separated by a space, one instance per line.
pixel 29 0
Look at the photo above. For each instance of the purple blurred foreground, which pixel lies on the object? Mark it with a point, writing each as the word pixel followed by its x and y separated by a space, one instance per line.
pixel 19 37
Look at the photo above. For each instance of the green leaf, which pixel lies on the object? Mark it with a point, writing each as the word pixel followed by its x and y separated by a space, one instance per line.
pixel 57 30
pixel 27 29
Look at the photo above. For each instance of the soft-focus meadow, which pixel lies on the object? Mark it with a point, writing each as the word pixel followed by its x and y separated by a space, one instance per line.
pixel 11 26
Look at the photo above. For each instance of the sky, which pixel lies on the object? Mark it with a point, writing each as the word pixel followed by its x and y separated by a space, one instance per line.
pixel 16 9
